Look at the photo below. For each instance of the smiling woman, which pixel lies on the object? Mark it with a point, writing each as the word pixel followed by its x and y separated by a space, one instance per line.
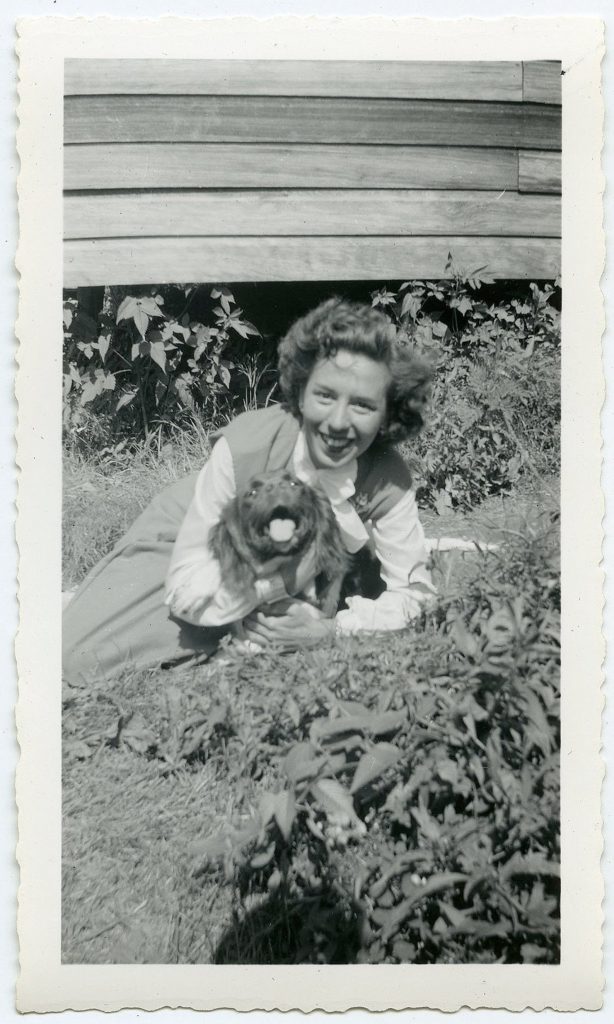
pixel 162 595
pixel 343 407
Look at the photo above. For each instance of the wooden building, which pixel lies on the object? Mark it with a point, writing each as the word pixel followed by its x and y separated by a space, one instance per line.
pixel 186 170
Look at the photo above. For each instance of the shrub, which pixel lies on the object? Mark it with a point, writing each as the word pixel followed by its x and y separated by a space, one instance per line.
pixel 410 804
pixel 150 359
pixel 496 395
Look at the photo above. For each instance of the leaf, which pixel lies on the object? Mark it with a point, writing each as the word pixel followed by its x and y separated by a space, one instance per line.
pixel 373 723
pixel 91 390
pixel 141 321
pixel 104 343
pixel 260 860
pixel 531 953
pixel 240 328
pixel 125 399
pixel 540 734
pixel 428 825
pixel 530 864
pixel 373 764
pixel 447 771
pixel 396 916
pixel 404 951
pixel 266 807
pixel 126 309
pixel 149 305
pixel 334 800
pixel 464 305
pixel 411 304
pixel 463 640
pixel 285 813
pixel 224 374
pixel 294 713
pixel 250 328
pixel 297 760
pixel 158 354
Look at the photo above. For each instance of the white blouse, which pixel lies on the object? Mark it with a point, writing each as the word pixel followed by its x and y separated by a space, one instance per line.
pixel 196 593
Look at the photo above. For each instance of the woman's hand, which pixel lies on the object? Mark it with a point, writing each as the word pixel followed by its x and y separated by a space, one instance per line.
pixel 289 625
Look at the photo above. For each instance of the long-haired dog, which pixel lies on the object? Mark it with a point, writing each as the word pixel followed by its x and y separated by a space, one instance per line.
pixel 278 516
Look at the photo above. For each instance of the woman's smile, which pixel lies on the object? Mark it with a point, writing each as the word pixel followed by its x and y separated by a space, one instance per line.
pixel 343 405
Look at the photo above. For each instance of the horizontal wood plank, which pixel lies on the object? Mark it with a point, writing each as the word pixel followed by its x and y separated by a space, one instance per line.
pixel 164 260
pixel 156 165
pixel 319 212
pixel 93 119
pixel 457 80
pixel 542 81
pixel 539 171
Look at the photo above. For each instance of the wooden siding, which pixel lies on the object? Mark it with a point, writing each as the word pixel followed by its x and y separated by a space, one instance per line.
pixel 283 170
pixel 296 119
pixel 432 80
pixel 155 165
pixel 311 212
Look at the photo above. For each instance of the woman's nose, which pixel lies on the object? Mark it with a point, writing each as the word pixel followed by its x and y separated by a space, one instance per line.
pixel 338 418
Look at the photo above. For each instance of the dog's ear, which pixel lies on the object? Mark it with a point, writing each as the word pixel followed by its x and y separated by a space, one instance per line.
pixel 229 547
pixel 332 559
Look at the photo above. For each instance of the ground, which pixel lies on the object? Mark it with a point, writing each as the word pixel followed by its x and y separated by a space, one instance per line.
pixel 131 892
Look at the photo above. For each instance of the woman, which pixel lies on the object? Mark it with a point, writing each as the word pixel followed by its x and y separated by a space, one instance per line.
pixel 350 392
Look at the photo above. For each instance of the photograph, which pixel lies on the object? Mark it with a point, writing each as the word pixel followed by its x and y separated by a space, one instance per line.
pixel 309 515
pixel 311 588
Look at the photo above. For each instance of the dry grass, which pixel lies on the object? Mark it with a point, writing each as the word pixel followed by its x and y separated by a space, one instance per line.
pixel 103 494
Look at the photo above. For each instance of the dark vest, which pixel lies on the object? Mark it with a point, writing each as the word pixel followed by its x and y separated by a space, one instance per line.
pixel 264 439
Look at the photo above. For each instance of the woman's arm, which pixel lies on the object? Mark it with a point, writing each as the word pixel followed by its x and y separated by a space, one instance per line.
pixel 194 589
pixel 401 550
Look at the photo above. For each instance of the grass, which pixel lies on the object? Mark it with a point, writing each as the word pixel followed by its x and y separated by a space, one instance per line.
pixel 140 788
pixel 104 493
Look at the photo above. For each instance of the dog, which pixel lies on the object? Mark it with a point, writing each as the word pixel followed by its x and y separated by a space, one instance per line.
pixel 275 519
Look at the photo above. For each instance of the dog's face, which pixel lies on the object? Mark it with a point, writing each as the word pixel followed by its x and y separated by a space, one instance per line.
pixel 277 515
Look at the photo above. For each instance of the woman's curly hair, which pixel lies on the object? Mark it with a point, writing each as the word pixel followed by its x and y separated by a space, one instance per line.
pixel 355 327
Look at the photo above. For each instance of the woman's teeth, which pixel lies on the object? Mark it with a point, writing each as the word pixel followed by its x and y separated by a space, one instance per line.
pixel 335 444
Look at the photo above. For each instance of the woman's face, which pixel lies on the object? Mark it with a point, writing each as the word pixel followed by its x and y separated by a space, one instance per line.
pixel 343 405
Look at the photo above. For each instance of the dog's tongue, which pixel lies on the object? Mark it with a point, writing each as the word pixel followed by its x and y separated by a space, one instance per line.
pixel 281 530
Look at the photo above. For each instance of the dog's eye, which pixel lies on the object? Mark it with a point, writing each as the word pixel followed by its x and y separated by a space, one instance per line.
pixel 293 483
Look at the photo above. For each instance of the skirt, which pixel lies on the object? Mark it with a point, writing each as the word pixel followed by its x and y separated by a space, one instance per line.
pixel 117 619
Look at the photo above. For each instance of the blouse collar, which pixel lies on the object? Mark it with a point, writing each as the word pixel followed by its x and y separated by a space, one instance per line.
pixel 338 485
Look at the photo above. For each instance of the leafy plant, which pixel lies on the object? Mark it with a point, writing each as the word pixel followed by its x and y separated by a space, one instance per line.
pixel 147 351
pixel 417 785
pixel 495 410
